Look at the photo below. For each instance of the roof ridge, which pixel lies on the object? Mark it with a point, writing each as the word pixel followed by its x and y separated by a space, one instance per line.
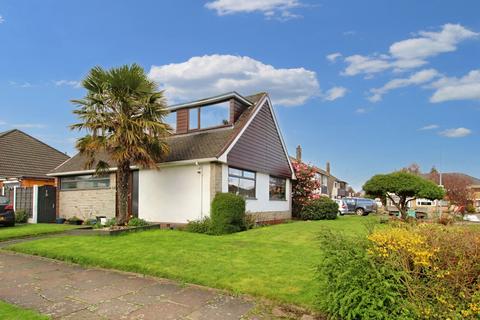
pixel 38 140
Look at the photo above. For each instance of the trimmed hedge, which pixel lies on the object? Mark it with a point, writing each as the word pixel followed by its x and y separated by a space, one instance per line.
pixel 320 209
pixel 227 214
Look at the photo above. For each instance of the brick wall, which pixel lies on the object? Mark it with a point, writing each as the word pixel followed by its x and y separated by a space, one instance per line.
pixel 88 203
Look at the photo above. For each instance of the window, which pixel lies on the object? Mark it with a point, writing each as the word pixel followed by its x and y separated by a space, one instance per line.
pixel 241 182
pixel 278 188
pixel 193 119
pixel 171 119
pixel 85 182
pixel 424 202
pixel 209 116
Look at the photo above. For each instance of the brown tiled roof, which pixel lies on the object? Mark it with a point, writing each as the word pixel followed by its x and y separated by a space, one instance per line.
pixel 21 155
pixel 199 145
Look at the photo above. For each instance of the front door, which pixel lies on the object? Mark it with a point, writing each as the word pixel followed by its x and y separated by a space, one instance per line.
pixel 133 194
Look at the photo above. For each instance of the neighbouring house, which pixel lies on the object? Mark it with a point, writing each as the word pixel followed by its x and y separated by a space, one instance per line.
pixel 330 185
pixel 226 143
pixel 25 160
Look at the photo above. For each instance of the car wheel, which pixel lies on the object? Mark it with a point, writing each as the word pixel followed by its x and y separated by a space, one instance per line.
pixel 359 211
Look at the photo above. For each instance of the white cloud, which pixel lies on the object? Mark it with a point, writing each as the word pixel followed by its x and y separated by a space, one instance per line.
pixel 210 75
pixel 350 33
pixel 2 20
pixel 417 78
pixel 429 127
pixel 333 56
pixel 270 8
pixel 361 110
pixel 21 84
pixel 70 83
pixel 456 133
pixel 410 53
pixel 335 93
pixel 464 88
pixel 362 64
pixel 430 44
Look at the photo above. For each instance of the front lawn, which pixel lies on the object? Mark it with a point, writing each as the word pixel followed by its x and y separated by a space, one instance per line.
pixel 11 312
pixel 27 230
pixel 276 262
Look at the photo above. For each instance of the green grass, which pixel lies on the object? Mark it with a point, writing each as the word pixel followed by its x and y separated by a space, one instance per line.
pixel 11 312
pixel 276 262
pixel 27 230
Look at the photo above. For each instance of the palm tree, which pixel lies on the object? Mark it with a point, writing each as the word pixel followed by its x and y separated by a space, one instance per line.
pixel 123 115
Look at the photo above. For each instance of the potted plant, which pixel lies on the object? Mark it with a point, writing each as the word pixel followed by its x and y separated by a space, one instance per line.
pixel 75 220
pixel 60 220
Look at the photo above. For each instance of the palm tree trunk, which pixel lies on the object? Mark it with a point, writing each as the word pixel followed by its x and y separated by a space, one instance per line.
pixel 123 175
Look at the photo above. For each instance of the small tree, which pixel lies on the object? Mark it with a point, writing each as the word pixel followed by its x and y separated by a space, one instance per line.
pixel 306 186
pixel 406 186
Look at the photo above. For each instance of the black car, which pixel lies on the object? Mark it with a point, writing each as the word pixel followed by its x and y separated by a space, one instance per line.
pixel 7 216
pixel 360 206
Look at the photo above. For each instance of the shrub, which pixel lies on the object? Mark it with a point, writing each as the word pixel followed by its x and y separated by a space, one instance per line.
pixel 21 216
pixel 320 209
pixel 137 222
pixel 354 286
pixel 439 266
pixel 199 226
pixel 75 220
pixel 470 208
pixel 227 214
pixel 111 222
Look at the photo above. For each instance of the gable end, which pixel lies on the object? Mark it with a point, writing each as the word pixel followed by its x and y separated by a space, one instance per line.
pixel 260 147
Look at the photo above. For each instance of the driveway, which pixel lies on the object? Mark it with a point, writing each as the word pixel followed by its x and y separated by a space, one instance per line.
pixel 66 291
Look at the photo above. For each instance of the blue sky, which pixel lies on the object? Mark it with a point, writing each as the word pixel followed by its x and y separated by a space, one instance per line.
pixel 370 86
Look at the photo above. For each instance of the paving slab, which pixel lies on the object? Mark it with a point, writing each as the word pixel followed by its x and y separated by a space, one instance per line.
pixel 66 291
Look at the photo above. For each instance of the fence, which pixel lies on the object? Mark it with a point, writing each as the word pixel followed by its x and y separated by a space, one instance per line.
pixel 38 202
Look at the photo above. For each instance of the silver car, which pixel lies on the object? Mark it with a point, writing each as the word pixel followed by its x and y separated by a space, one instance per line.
pixel 342 206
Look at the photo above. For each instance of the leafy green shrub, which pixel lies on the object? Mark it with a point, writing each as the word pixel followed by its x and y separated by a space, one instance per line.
pixel 470 208
pixel 227 214
pixel 21 216
pixel 354 286
pixel 110 222
pixel 137 222
pixel 199 226
pixel 320 209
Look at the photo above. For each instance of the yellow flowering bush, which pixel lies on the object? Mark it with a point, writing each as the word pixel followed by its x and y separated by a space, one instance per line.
pixel 440 266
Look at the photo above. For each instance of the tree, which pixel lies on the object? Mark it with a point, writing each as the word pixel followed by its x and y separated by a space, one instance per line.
pixel 305 187
pixel 401 188
pixel 123 116
pixel 413 168
pixel 456 188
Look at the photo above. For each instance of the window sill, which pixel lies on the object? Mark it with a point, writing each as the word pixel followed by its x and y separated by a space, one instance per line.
pixel 251 199
pixel 281 200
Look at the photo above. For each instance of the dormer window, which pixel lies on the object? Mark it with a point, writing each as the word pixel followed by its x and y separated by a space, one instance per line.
pixel 171 119
pixel 209 116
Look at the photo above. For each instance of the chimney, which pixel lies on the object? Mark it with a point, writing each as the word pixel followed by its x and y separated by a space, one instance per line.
pixel 299 153
pixel 328 167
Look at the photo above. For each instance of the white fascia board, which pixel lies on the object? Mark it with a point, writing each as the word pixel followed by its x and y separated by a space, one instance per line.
pixel 211 100
pixel 161 165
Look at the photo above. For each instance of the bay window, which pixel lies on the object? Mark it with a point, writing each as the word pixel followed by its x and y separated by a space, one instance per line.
pixel 242 182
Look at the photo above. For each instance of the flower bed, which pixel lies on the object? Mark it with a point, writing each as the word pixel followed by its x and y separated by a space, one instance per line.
pixel 117 230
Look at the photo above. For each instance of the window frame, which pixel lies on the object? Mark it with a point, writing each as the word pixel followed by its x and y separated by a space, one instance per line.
pixel 242 176
pixel 198 117
pixel 284 188
pixel 70 179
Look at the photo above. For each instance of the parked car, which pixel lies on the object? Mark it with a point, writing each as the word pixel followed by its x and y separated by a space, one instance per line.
pixel 342 206
pixel 7 216
pixel 360 206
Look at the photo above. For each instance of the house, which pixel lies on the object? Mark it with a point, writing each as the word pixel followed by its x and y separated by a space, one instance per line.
pixel 25 160
pixel 330 185
pixel 226 143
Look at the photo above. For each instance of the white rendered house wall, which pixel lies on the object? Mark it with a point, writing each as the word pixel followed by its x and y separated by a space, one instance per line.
pixel 174 194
